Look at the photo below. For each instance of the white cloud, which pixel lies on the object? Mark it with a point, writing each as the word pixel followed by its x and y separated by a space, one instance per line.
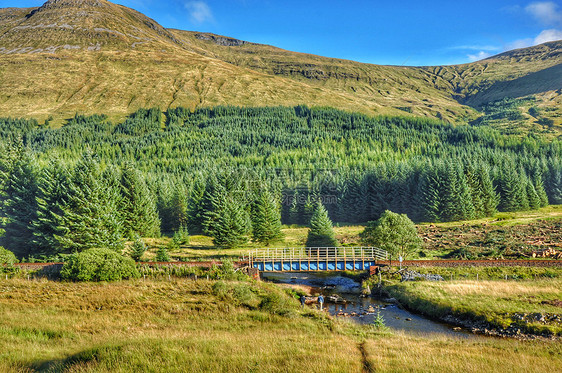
pixel 479 56
pixel 543 37
pixel 199 12
pixel 546 12
pixel 548 35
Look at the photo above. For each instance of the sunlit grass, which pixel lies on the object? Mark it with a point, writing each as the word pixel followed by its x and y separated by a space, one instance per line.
pixel 185 325
pixel 494 301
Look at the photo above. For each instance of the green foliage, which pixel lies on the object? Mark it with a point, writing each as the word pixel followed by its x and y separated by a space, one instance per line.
pixel 181 236
pixel 137 205
pixel 7 257
pixel 321 233
pixel 395 233
pixel 207 169
pixel 505 109
pixel 266 219
pixel 162 255
pixel 238 293
pixel 98 265
pixel 138 249
pixel 378 321
pixel 265 298
pixel 228 272
pixel 18 200
pixel 164 270
pixel 54 182
pixel 226 217
pixel 88 215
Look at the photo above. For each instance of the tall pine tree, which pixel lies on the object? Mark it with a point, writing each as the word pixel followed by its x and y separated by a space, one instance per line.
pixel 89 216
pixel 53 193
pixel 266 219
pixel 321 232
pixel 226 219
pixel 138 205
pixel 20 206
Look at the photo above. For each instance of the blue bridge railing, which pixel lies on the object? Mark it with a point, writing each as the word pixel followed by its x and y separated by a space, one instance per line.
pixel 315 259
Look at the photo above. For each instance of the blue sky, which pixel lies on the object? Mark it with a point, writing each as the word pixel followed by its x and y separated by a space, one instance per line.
pixel 430 32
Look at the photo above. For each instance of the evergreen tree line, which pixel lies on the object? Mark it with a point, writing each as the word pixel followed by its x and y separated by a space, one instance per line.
pixel 57 209
pixel 427 191
pixel 246 170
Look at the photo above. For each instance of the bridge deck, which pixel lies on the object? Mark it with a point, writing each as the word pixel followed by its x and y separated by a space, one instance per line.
pixel 316 259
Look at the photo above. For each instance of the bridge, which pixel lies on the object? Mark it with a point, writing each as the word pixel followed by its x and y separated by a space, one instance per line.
pixel 315 259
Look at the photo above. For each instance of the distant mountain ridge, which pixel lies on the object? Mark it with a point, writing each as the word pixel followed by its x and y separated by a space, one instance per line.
pixel 93 56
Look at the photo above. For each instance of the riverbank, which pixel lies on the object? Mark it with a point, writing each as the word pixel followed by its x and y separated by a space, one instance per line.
pixel 220 326
pixel 524 309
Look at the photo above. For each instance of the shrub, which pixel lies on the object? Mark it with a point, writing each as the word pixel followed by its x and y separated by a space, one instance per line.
pixel 237 293
pixel 7 257
pixel 228 272
pixel 99 265
pixel 7 260
pixel 277 303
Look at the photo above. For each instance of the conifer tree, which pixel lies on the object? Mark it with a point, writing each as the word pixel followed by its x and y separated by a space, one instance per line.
pixel 429 196
pixel 20 206
pixel 162 255
pixel 553 181
pixel 321 232
pixel 138 205
pixel 266 219
pixel 138 249
pixel 532 196
pixel 226 220
pixel 53 192
pixel 178 208
pixel 195 207
pixel 455 194
pixel 538 183
pixel 487 192
pixel 89 216
pixel 513 196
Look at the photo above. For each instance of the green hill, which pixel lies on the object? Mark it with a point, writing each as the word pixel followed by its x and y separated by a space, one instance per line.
pixel 91 56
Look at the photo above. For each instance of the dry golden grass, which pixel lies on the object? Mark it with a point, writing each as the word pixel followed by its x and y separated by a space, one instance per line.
pixel 201 247
pixel 180 325
pixel 137 63
pixel 501 288
pixel 405 354
pixel 494 301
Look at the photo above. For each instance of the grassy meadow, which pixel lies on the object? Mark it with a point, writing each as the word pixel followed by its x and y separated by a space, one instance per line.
pixel 453 235
pixel 500 303
pixel 207 326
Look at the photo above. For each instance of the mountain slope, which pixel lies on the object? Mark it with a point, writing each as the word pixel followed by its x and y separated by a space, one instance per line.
pixel 93 56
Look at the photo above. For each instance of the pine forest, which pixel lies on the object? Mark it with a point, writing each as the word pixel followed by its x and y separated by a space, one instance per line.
pixel 239 173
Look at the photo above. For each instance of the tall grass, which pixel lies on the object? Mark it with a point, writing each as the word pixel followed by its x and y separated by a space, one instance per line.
pixel 217 326
pixel 497 302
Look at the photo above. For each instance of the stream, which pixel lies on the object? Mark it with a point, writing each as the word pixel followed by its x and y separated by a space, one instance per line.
pixel 363 310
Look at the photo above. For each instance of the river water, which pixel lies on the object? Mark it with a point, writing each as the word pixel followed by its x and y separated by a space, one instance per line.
pixel 363 310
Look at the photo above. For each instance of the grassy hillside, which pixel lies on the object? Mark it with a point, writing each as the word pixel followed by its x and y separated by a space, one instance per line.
pixel 88 56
